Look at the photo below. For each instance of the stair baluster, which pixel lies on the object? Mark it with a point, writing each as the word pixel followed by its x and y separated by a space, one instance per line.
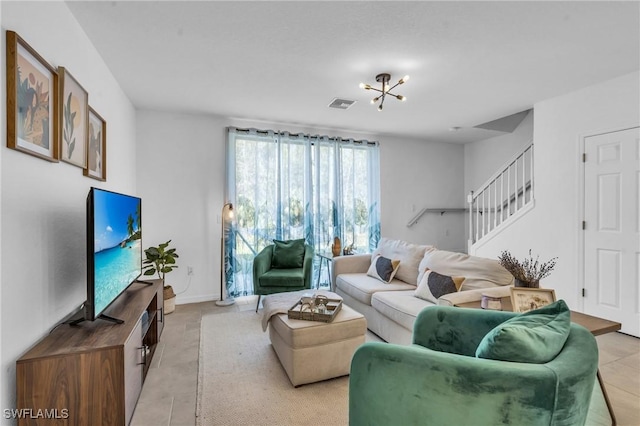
pixel 515 193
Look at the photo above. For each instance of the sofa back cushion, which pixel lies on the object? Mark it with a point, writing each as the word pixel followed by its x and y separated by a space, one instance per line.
pixel 408 254
pixel 479 272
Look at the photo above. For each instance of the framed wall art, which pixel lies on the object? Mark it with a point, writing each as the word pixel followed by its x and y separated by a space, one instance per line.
pixel 32 101
pixel 524 299
pixel 97 147
pixel 74 120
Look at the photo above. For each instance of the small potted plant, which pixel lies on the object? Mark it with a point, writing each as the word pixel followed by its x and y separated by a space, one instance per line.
pixel 161 260
pixel 529 272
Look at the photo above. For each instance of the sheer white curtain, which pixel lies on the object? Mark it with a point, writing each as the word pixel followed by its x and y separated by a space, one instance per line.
pixel 290 186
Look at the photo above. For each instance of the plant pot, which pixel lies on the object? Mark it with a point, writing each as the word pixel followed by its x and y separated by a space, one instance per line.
pixel 527 284
pixel 169 299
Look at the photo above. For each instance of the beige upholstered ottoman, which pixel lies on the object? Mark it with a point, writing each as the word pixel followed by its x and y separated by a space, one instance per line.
pixel 311 351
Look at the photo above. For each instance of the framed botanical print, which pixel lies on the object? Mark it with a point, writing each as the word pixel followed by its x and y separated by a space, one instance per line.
pixel 74 120
pixel 525 299
pixel 32 101
pixel 97 147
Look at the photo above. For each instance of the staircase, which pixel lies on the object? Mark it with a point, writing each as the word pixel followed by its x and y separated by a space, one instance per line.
pixel 502 199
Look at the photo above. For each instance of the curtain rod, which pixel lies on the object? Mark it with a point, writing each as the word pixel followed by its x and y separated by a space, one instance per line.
pixel 280 133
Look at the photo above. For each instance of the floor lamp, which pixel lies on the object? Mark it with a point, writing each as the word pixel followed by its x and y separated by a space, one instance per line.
pixel 229 300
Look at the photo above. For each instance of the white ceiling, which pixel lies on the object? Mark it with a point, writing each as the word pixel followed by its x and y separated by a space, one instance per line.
pixel 283 62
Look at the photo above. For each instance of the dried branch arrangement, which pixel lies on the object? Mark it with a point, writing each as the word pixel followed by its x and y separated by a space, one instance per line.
pixel 529 270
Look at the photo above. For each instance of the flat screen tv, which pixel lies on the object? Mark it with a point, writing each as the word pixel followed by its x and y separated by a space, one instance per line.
pixel 114 249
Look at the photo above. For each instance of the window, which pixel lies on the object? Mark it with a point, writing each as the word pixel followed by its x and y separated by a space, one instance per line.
pixel 286 186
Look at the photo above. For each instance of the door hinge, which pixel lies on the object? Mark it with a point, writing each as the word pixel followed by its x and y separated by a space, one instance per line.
pixel 584 292
pixel 584 157
pixel 584 224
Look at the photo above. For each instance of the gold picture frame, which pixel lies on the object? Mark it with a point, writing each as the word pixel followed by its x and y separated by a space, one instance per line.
pixel 74 120
pixel 32 101
pixel 96 147
pixel 524 299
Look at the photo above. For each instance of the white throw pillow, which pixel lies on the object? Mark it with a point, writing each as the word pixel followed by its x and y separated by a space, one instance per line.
pixel 408 254
pixel 383 268
pixel 433 285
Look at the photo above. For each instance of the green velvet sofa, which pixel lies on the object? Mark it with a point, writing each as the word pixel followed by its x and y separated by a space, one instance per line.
pixel 268 279
pixel 438 380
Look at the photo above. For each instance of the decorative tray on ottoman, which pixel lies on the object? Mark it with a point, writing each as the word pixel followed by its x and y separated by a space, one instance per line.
pixel 310 308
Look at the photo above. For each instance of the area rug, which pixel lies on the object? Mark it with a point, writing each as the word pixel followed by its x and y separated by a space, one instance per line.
pixel 241 381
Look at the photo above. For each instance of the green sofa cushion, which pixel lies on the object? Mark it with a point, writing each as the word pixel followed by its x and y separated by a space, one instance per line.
pixel 536 336
pixel 283 278
pixel 287 254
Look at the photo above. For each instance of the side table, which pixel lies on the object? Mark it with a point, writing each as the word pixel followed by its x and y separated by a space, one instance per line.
pixel 595 325
pixel 325 257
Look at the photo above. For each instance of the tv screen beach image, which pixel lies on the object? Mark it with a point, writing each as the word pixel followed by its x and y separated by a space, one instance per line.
pixel 117 246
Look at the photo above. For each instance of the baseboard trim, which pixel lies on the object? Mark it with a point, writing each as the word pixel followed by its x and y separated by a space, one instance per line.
pixel 182 300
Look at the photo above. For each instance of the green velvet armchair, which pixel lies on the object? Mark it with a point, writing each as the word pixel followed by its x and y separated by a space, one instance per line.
pixel 438 380
pixel 276 271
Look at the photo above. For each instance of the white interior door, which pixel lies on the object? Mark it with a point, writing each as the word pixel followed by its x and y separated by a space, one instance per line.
pixel 612 232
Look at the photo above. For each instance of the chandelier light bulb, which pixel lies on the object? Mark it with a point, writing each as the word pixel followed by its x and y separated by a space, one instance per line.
pixel 380 107
pixel 404 79
pixel 401 98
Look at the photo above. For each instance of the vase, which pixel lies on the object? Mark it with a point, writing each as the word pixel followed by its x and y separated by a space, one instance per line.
pixel 527 284
pixel 336 247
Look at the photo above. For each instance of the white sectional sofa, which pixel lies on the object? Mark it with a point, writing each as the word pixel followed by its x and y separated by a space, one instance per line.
pixel 391 308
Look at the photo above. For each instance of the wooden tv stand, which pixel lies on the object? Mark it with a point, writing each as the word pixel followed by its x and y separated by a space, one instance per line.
pixel 92 374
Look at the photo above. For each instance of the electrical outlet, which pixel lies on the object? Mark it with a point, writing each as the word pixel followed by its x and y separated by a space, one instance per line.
pixel 189 270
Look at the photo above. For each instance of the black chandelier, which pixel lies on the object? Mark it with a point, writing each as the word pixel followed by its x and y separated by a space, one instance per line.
pixel 386 88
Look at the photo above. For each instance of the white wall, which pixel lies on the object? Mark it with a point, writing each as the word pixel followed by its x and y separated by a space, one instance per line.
pixel 415 174
pixel 552 228
pixel 43 272
pixel 181 169
pixel 181 178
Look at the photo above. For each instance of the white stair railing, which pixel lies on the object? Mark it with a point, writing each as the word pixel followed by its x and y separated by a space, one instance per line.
pixel 506 193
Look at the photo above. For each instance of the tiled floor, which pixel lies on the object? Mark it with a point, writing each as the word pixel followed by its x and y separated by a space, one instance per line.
pixel 169 393
pixel 620 370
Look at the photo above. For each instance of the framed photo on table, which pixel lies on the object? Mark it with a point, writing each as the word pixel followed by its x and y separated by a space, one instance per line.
pixel 525 299
pixel 74 121
pixel 97 147
pixel 32 101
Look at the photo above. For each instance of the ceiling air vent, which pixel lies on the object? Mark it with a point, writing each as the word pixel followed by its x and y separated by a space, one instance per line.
pixel 341 103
